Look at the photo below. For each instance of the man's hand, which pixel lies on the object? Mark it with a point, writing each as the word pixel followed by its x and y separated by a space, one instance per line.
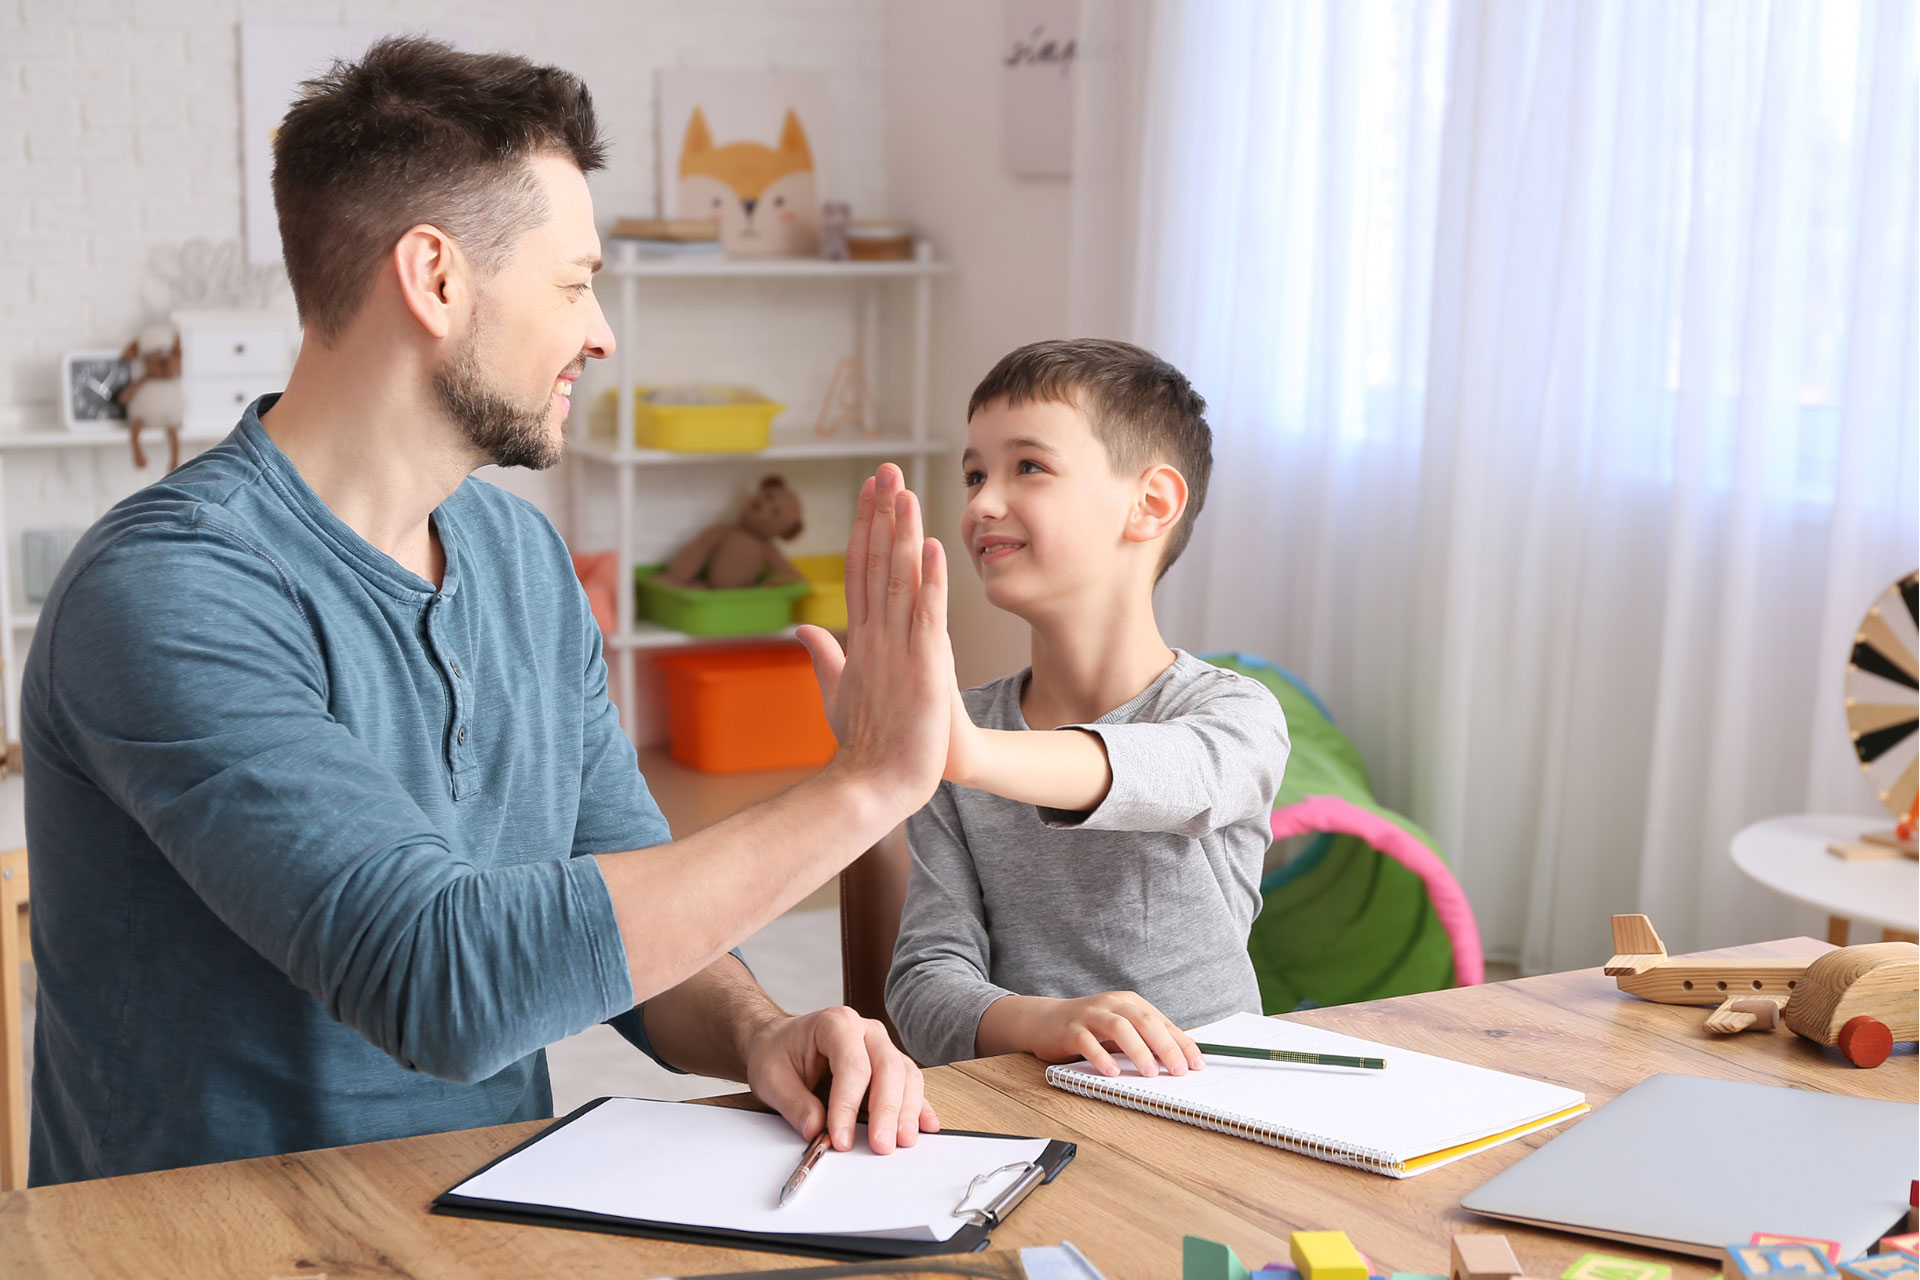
pixel 889 695
pixel 889 699
pixel 1061 1030
pixel 788 1057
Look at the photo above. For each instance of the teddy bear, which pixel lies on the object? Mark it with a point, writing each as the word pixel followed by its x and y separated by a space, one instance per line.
pixel 154 398
pixel 738 554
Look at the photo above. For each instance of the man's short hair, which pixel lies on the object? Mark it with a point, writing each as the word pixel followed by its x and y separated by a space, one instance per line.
pixel 416 132
pixel 1141 408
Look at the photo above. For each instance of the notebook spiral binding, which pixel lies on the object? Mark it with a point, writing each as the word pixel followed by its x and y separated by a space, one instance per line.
pixel 1368 1158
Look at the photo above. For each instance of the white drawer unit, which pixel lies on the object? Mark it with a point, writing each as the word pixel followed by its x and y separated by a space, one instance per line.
pixel 226 344
pixel 216 403
pixel 228 359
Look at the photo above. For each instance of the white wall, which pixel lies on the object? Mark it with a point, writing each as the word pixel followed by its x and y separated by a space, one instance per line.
pixel 120 132
pixel 1007 237
pixel 120 128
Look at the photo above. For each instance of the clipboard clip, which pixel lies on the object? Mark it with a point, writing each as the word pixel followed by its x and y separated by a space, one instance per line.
pixel 995 1211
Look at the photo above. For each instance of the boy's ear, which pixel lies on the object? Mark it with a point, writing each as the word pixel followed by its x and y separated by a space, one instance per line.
pixel 1160 504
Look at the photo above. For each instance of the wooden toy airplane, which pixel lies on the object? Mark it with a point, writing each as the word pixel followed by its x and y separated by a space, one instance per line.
pixel 1861 1000
pixel 1643 968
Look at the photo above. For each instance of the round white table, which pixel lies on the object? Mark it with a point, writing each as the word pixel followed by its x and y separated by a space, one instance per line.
pixel 1789 855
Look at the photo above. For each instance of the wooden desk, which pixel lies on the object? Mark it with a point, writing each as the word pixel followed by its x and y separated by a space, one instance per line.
pixel 1138 1185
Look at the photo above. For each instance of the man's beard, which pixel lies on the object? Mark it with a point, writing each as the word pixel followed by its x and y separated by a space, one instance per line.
pixel 509 434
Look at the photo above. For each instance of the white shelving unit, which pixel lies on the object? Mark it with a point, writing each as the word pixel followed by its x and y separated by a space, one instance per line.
pixel 17 624
pixel 909 445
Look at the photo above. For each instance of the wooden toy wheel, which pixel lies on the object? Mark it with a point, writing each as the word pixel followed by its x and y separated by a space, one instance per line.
pixel 1866 1041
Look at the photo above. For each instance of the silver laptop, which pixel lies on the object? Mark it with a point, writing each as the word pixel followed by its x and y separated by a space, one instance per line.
pixel 1692 1165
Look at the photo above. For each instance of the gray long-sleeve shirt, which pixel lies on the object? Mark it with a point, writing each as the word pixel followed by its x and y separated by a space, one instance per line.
pixel 1153 891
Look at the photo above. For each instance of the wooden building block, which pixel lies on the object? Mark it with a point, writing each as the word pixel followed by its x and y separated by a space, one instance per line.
pixel 1778 1262
pixel 1483 1257
pixel 1203 1259
pixel 1861 851
pixel 1907 1244
pixel 1598 1266
pixel 1890 838
pixel 1829 1247
pixel 1882 1266
pixel 1327 1255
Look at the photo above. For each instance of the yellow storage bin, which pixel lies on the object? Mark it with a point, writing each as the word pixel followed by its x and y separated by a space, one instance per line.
pixel 731 420
pixel 825 604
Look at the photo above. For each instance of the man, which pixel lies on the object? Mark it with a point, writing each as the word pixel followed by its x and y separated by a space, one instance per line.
pixel 332 825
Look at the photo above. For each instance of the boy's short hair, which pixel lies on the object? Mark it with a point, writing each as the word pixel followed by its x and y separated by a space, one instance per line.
pixel 416 132
pixel 1141 408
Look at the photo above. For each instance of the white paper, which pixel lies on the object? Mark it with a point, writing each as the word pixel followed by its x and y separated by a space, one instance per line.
pixel 699 1166
pixel 1418 1105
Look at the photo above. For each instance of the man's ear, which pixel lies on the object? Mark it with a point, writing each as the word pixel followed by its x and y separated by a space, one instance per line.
pixel 433 277
pixel 1161 502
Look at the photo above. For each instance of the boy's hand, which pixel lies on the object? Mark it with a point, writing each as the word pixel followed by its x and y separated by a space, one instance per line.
pixel 1054 1030
pixel 966 744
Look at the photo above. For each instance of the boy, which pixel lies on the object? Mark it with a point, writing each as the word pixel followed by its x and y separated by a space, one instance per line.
pixel 1093 887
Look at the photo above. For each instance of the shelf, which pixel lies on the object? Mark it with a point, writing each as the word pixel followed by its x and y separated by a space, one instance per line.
pixel 648 635
pixel 623 261
pixel 800 451
pixel 60 438
pixel 26 619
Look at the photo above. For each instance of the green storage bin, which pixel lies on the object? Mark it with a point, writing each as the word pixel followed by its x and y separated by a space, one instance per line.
pixel 699 611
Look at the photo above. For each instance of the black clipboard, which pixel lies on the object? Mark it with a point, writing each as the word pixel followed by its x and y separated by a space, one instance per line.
pixel 969 1239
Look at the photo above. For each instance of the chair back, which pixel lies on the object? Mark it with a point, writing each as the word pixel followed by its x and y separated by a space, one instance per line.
pixel 15 951
pixel 872 890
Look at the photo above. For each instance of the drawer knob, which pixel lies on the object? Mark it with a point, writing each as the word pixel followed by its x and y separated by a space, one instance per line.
pixel 239 348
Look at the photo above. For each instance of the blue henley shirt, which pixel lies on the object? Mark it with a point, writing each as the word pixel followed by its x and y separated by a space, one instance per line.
pixel 307 835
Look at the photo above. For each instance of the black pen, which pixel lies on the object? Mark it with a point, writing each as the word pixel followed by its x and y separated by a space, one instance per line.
pixel 808 1159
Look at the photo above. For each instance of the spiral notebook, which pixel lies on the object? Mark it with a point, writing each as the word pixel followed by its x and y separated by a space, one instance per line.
pixel 1419 1113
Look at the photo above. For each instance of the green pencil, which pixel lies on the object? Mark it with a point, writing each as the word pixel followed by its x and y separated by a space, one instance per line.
pixel 1289 1055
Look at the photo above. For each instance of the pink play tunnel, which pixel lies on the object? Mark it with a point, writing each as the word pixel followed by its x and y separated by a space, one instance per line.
pixel 1341 817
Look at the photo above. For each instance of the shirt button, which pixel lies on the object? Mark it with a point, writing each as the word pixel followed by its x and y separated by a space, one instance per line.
pixel 461 737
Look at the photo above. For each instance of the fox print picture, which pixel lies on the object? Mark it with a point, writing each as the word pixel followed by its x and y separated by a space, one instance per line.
pixel 762 197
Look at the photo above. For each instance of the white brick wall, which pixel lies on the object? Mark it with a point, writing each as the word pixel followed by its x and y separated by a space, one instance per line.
pixel 120 129
pixel 120 133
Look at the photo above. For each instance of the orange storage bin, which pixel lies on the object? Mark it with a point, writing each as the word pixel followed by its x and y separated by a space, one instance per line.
pixel 737 710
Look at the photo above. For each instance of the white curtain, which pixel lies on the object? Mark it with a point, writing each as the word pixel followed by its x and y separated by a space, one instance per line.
pixel 1561 362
